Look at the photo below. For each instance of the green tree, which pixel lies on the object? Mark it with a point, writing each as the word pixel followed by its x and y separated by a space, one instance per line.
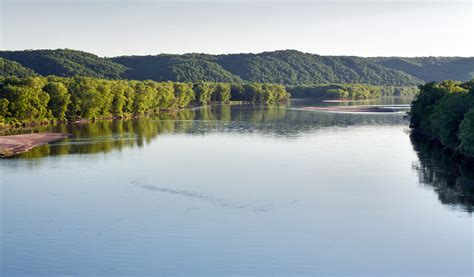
pixel 222 93
pixel 166 97
pixel 237 92
pixel 26 100
pixel 143 98
pixel 59 99
pixel 4 113
pixel 204 92
pixel 466 134
pixel 423 106
pixel 447 116
pixel 119 100
pixel 184 94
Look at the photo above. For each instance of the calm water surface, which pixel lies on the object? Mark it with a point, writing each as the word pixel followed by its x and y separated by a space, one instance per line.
pixel 238 190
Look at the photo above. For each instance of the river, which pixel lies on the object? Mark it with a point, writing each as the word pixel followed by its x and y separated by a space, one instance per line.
pixel 242 190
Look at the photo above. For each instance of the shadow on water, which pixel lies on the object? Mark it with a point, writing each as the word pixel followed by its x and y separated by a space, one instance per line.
pixel 266 120
pixel 451 177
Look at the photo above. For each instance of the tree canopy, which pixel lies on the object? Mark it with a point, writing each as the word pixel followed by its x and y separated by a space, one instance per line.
pixel 43 99
pixel 445 112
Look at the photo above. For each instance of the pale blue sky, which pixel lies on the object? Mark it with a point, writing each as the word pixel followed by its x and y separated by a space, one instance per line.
pixel 126 27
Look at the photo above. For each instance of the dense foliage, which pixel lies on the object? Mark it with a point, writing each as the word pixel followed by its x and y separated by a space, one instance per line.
pixel 39 99
pixel 445 112
pixel 287 67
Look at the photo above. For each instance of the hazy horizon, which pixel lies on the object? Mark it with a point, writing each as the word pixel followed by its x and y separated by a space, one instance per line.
pixel 343 28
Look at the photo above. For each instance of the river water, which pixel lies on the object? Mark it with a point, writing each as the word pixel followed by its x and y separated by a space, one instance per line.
pixel 238 190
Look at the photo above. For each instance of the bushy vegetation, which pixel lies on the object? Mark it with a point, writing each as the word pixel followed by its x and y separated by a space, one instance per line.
pixel 445 112
pixel 287 67
pixel 41 99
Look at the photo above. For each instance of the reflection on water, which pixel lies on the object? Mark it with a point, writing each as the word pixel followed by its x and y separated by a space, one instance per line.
pixel 274 120
pixel 451 177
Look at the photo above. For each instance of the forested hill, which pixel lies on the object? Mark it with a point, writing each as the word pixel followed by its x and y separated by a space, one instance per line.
pixel 10 68
pixel 182 68
pixel 65 63
pixel 288 67
pixel 432 68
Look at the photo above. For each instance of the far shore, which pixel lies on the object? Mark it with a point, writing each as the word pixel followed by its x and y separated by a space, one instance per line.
pixel 346 100
pixel 352 109
pixel 16 144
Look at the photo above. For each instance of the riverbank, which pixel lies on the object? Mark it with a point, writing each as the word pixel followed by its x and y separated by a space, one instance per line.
pixel 16 144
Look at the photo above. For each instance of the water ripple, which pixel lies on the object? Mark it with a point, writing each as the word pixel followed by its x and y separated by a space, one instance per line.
pixel 227 203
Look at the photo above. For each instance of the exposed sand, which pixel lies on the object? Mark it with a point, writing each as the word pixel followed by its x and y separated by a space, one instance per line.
pixel 16 144
pixel 352 109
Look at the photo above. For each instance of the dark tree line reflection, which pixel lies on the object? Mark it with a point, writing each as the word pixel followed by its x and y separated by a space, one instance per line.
pixel 452 177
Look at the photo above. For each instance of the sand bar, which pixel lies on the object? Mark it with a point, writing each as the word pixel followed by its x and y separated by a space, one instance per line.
pixel 16 144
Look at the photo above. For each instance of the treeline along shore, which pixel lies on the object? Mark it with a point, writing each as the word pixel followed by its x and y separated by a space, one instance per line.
pixel 33 100
pixel 349 91
pixel 444 112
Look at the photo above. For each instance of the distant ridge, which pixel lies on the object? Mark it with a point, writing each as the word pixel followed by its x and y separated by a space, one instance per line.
pixel 11 68
pixel 288 67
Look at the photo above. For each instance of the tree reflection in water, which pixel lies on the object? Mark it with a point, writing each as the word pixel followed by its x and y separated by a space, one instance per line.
pixel 452 177
pixel 265 120
pixel 105 136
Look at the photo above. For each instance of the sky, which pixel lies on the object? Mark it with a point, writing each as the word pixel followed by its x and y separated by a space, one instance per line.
pixel 147 27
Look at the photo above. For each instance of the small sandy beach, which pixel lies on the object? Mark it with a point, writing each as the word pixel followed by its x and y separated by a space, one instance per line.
pixel 16 144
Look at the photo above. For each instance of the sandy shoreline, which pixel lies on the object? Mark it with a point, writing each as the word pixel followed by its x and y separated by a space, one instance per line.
pixel 16 144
